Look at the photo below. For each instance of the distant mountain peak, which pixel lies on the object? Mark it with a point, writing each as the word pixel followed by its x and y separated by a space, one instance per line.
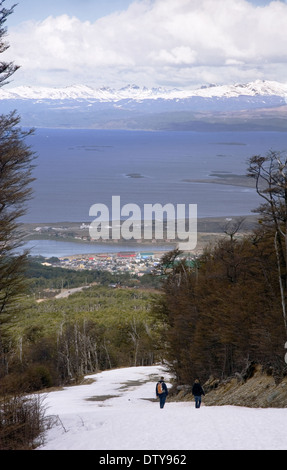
pixel 135 92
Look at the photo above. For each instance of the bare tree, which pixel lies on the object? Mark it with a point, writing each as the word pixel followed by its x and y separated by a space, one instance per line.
pixel 233 226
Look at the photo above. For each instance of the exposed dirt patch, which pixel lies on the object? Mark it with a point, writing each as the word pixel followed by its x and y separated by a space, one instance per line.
pixel 101 397
pixel 132 383
pixel 259 391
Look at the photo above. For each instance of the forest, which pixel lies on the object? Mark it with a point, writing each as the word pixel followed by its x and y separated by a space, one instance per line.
pixel 213 317
pixel 51 342
pixel 229 311
pixel 226 314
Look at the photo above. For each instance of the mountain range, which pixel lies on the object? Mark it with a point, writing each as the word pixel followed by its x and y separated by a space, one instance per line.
pixel 258 105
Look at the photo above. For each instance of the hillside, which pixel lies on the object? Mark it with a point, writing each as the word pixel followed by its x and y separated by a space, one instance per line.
pixel 261 390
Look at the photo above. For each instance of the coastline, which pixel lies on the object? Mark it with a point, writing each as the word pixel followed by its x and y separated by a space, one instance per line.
pixel 75 234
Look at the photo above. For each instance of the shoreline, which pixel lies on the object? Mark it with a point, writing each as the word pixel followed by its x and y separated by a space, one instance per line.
pixel 201 221
pixel 209 230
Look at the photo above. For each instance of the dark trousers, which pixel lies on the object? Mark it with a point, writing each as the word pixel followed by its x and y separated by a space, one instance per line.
pixel 162 398
pixel 197 401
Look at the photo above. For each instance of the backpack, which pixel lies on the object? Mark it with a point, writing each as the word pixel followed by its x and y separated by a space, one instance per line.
pixel 159 388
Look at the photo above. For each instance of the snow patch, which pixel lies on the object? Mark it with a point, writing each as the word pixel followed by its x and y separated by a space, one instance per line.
pixel 128 418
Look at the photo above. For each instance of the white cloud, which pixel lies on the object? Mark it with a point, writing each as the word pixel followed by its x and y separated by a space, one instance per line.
pixel 155 42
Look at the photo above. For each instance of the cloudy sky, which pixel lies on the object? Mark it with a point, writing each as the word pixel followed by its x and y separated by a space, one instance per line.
pixel 170 43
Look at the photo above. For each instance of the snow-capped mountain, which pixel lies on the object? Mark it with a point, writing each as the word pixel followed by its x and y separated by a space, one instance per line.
pixel 259 105
pixel 83 92
pixel 106 94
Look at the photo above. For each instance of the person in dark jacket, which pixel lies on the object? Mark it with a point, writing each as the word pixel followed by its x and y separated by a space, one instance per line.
pixel 197 391
pixel 161 392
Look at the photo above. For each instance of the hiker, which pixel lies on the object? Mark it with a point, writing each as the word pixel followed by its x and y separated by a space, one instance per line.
pixel 197 391
pixel 161 391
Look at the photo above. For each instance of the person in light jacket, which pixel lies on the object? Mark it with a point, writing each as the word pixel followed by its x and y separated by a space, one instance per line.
pixel 161 392
pixel 197 391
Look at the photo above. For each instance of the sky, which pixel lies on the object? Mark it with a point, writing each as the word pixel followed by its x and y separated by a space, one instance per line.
pixel 168 43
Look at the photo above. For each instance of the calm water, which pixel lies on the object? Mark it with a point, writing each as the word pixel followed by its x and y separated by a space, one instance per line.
pixel 78 168
pixel 49 248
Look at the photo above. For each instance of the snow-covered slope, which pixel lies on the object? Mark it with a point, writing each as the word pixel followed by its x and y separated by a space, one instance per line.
pixel 115 412
pixel 106 94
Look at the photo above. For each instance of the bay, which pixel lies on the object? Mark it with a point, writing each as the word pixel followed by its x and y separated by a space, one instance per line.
pixel 60 249
pixel 77 168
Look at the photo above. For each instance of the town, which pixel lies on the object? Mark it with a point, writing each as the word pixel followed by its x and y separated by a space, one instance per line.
pixel 132 262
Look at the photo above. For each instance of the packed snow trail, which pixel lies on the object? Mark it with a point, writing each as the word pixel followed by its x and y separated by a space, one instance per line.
pixel 116 412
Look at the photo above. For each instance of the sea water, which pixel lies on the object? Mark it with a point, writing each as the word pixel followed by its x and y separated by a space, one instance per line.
pixel 78 168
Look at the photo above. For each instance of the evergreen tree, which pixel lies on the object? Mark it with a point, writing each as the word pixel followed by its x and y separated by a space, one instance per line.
pixel 6 68
pixel 16 167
